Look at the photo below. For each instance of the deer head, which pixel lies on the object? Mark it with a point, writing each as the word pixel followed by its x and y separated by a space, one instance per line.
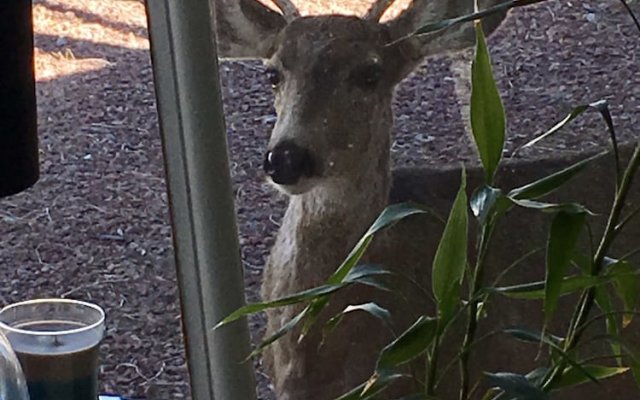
pixel 334 78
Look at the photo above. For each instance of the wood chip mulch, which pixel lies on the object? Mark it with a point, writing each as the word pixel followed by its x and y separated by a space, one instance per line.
pixel 96 226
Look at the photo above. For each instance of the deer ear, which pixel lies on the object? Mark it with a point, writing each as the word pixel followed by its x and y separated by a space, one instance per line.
pixel 246 28
pixel 455 38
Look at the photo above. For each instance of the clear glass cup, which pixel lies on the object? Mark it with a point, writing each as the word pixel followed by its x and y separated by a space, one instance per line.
pixel 57 342
pixel 12 383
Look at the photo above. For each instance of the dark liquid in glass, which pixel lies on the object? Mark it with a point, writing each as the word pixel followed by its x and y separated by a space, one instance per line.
pixel 59 369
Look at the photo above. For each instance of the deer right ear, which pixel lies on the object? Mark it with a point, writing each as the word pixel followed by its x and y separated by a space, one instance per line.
pixel 246 28
pixel 455 38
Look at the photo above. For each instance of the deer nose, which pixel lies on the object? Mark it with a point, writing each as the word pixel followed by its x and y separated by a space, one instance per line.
pixel 287 162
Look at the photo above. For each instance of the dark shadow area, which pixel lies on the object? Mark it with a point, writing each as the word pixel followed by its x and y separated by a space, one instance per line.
pixel 88 49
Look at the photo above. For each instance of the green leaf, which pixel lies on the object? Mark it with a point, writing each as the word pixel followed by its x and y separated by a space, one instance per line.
pixel 286 328
pixel 537 375
pixel 389 216
pixel 372 387
pixel 553 342
pixel 536 290
pixel 633 358
pixel 317 292
pixel 603 108
pixel 493 394
pixel 352 260
pixel 528 336
pixel 516 386
pixel 364 274
pixel 394 213
pixel 360 274
pixel 570 284
pixel 373 282
pixel 583 262
pixel 572 208
pixel 488 120
pixel 626 286
pixel 572 377
pixel 572 115
pixel 361 271
pixel 371 308
pixel 483 202
pixel 603 301
pixel 635 369
pixel 451 256
pixel 409 345
pixel 563 236
pixel 550 183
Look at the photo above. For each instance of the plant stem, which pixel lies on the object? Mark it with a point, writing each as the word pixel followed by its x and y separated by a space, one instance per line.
pixel 587 299
pixel 627 219
pixel 464 358
pixel 432 368
pixel 631 253
pixel 456 359
pixel 472 321
pixel 616 211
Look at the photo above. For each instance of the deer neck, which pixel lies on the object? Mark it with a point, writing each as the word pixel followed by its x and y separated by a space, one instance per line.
pixel 320 227
pixel 356 199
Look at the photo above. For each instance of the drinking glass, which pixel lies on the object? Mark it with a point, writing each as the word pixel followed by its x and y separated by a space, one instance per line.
pixel 56 342
pixel 12 383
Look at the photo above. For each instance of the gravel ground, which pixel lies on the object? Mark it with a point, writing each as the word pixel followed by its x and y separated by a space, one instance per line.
pixel 95 227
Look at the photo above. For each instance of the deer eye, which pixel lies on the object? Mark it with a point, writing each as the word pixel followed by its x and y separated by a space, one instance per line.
pixel 368 75
pixel 274 76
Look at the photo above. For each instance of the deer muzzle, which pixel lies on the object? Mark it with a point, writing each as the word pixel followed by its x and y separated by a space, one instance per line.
pixel 287 163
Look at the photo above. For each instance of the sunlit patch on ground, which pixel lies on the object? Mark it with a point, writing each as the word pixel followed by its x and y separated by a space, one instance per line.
pixel 65 30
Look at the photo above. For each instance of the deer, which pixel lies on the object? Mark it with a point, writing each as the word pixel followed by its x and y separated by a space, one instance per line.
pixel 334 78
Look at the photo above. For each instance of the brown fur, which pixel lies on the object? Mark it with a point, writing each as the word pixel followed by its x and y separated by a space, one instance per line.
pixel 347 128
